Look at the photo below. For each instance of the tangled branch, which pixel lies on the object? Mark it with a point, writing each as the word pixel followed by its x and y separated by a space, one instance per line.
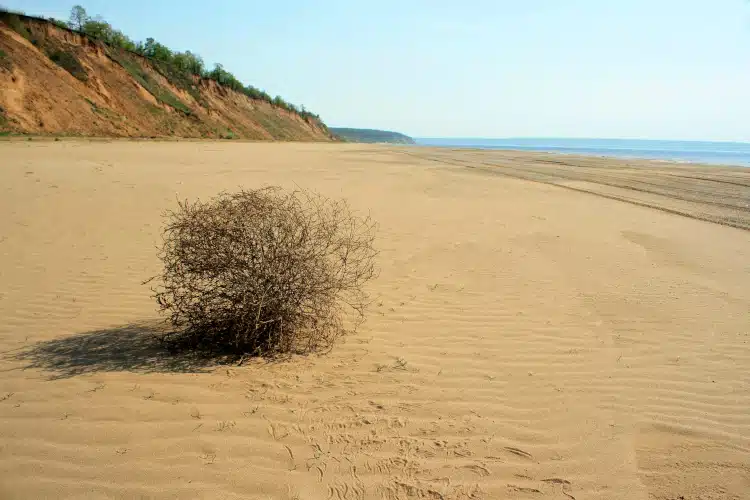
pixel 264 271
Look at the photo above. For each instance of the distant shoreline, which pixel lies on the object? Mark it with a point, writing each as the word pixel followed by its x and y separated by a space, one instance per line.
pixel 693 152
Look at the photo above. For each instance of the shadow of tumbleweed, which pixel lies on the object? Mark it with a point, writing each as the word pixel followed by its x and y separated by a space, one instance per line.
pixel 138 348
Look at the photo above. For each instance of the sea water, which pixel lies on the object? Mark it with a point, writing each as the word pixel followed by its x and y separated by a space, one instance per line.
pixel 720 153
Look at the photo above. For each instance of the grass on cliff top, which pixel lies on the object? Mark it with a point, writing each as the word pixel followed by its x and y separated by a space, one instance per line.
pixel 64 59
pixel 15 23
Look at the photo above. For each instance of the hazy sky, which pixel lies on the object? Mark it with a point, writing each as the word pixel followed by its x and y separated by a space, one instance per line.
pixel 660 69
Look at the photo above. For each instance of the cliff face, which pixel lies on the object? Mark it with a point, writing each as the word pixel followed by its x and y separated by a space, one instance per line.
pixel 54 81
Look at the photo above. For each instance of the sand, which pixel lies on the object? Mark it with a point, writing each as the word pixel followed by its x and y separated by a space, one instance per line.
pixel 577 329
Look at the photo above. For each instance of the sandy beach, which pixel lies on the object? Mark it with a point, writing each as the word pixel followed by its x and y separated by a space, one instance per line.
pixel 543 327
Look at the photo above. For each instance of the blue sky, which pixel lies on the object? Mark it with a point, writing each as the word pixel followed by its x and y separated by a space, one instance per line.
pixel 658 69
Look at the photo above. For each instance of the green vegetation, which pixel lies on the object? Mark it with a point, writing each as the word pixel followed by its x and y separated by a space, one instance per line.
pixel 371 135
pixel 78 18
pixel 5 124
pixel 228 135
pixel 180 79
pixel 181 69
pixel 94 107
pixel 13 20
pixel 69 63
pixel 104 112
pixel 273 123
pixel 3 119
pixel 5 61
pixel 59 24
pixel 139 74
pixel 64 59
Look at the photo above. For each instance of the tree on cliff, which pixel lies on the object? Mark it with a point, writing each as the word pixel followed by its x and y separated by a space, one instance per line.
pixel 78 18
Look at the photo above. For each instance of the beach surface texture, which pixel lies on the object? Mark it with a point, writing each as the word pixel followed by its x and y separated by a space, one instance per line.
pixel 543 327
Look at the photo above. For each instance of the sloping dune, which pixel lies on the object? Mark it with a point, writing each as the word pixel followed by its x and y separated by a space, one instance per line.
pixel 526 340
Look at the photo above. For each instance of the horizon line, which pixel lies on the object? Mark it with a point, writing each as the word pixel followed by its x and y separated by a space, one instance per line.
pixel 728 141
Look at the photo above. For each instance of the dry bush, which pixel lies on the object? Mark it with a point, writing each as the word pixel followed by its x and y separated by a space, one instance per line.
pixel 264 271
